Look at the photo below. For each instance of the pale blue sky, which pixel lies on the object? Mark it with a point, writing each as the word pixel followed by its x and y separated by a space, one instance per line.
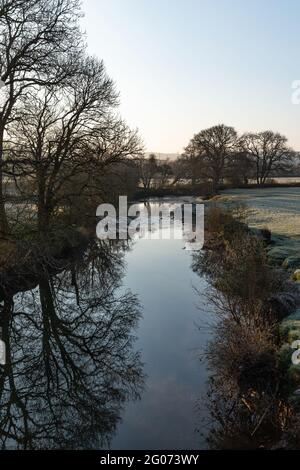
pixel 184 65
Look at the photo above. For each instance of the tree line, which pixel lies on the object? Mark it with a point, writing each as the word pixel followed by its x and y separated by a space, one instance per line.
pixel 219 153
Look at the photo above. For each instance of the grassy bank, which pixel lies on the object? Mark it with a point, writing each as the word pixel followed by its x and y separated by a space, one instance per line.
pixel 253 382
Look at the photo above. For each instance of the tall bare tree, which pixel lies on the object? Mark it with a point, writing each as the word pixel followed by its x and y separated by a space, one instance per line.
pixel 269 153
pixel 212 148
pixel 147 168
pixel 66 137
pixel 37 38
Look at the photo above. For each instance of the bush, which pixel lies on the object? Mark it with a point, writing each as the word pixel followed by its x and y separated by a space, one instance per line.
pixel 245 286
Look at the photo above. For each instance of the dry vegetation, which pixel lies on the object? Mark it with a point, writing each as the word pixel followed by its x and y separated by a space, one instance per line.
pixel 251 383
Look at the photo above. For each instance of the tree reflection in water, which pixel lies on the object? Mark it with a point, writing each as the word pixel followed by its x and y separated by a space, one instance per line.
pixel 70 358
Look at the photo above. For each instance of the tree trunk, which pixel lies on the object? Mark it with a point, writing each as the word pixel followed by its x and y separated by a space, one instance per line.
pixel 3 218
pixel 215 183
pixel 43 208
pixel 43 218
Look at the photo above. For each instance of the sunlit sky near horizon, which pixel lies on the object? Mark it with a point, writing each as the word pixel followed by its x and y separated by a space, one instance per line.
pixel 184 65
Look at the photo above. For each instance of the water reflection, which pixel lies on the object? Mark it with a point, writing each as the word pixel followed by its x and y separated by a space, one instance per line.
pixel 165 418
pixel 71 364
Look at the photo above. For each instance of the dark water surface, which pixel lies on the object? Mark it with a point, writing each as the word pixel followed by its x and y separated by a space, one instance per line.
pixel 170 341
pixel 105 353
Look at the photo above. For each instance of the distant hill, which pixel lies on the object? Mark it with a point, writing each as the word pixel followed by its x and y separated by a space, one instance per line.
pixel 164 156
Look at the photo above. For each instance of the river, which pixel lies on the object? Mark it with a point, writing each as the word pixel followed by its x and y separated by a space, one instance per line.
pixel 105 353
pixel 171 341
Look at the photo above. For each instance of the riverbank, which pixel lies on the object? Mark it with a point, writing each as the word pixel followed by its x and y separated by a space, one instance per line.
pixel 256 300
pixel 23 260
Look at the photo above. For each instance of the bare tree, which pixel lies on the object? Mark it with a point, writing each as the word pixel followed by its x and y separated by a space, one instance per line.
pixel 65 137
pixel 67 141
pixel 106 168
pixel 212 149
pixel 37 38
pixel 269 153
pixel 165 172
pixel 147 167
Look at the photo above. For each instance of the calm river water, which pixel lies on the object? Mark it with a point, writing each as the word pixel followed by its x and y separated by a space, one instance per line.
pixel 104 352
pixel 171 337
